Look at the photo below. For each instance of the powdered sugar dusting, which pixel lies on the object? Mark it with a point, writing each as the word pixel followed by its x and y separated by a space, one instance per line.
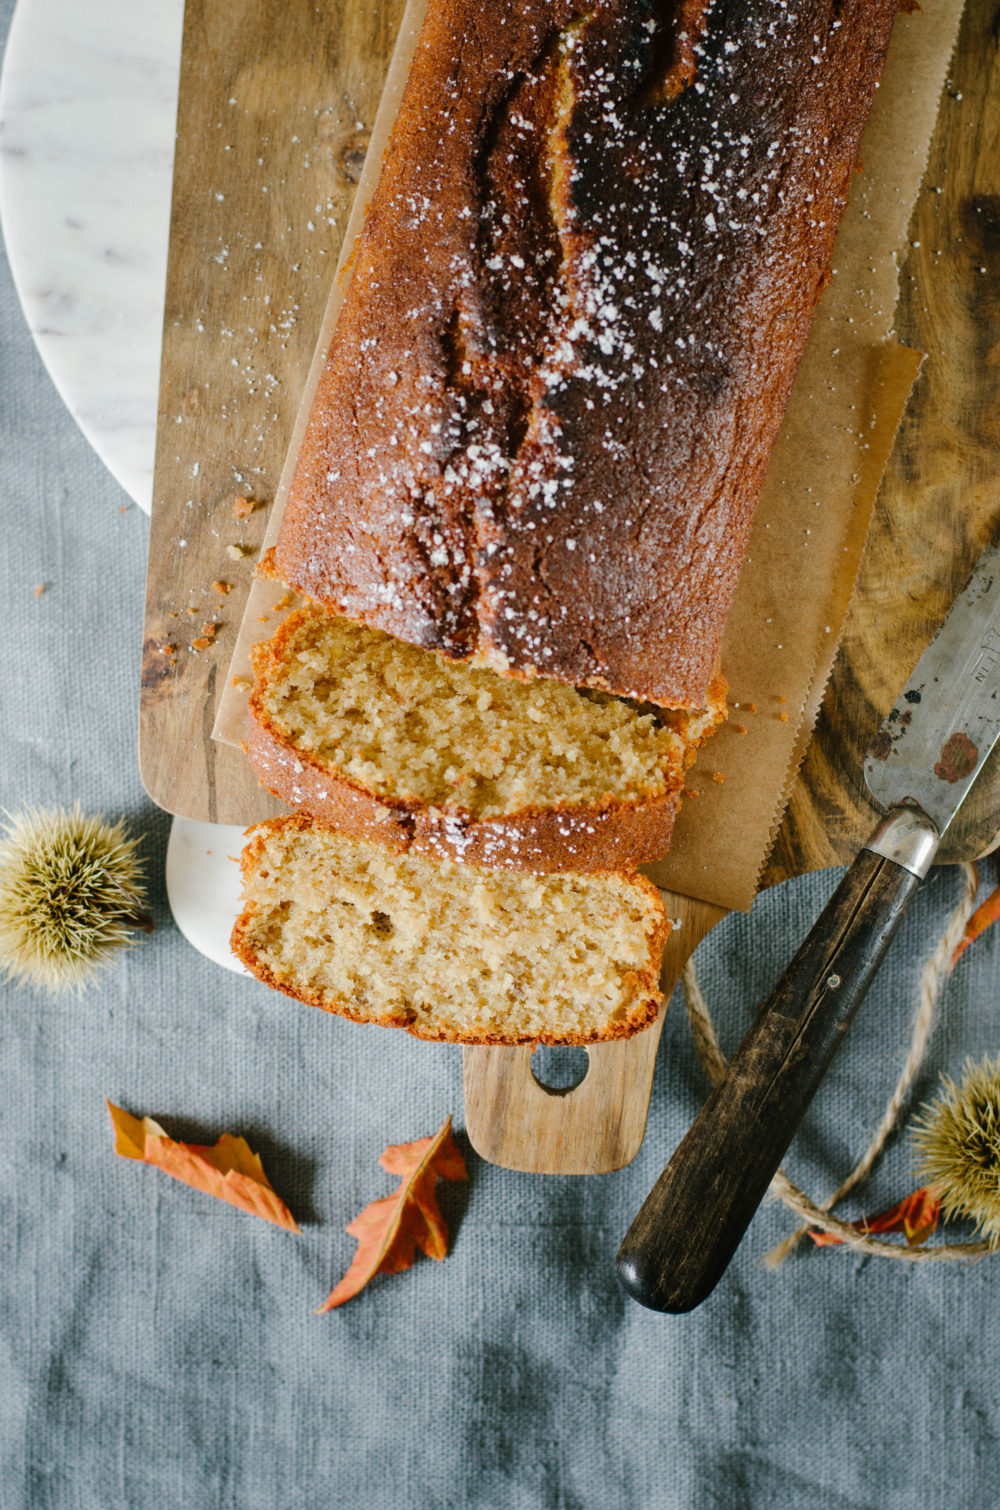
pixel 554 394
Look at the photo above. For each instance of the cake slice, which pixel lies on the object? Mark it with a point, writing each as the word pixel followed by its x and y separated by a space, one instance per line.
pixel 446 951
pixel 380 738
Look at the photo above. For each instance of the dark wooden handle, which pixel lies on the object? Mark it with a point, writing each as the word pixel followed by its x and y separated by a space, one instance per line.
pixel 694 1218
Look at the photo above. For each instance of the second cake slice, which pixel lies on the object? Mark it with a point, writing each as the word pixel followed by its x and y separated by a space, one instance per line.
pixel 382 739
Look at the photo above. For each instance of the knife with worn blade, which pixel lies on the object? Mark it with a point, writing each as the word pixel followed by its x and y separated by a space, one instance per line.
pixel 920 767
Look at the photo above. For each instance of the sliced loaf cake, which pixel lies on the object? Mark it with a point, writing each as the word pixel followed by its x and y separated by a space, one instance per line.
pixel 446 951
pixel 380 738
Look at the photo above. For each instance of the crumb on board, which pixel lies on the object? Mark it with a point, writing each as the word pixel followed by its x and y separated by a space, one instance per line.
pixel 783 717
pixel 284 602
pixel 718 776
pixel 741 728
pixel 236 552
pixel 42 587
pixel 241 683
pixel 242 507
pixel 689 791
pixel 207 636
pixel 222 587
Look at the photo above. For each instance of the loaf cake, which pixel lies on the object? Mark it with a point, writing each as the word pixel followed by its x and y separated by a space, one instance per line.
pixel 577 305
pixel 379 738
pixel 451 952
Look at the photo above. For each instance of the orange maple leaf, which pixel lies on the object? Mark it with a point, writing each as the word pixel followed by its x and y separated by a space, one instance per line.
pixel 389 1230
pixel 986 913
pixel 916 1216
pixel 229 1170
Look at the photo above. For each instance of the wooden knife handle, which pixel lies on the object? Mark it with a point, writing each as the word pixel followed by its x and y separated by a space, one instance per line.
pixel 694 1218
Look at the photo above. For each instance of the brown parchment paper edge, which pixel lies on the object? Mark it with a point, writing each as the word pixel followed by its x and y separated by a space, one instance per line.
pixel 736 811
pixel 846 405
pixel 902 369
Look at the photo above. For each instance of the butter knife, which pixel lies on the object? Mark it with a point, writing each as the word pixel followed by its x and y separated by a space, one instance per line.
pixel 920 767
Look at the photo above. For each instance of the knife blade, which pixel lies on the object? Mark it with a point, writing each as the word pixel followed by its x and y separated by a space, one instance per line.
pixel 921 765
pixel 932 745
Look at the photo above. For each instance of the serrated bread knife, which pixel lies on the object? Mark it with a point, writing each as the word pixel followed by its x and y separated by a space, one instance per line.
pixel 920 767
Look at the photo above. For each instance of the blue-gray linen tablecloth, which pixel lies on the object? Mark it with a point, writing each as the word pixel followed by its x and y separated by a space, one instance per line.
pixel 159 1351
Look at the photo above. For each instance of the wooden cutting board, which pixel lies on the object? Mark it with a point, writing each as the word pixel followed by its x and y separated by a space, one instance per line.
pixel 272 130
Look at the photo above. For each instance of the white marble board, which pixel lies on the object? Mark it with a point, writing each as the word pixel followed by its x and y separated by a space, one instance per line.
pixel 88 102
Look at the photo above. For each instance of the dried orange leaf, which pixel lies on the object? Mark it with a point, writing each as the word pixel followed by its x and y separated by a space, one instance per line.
pixel 920 1214
pixel 916 1216
pixel 390 1230
pixel 825 1239
pixel 986 913
pixel 229 1170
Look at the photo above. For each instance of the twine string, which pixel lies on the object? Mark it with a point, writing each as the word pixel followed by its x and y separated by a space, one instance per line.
pixel 714 1063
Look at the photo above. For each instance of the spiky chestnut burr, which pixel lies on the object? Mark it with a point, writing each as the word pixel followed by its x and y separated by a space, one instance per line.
pixel 957 1139
pixel 70 896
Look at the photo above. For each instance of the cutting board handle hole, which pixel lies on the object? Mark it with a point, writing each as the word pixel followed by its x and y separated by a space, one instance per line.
pixel 559 1068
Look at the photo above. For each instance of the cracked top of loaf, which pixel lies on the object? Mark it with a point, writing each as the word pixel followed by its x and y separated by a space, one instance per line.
pixel 578 301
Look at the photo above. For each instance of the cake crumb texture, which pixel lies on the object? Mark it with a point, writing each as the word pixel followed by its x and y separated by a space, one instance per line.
pixel 406 723
pixel 446 951
pixel 380 738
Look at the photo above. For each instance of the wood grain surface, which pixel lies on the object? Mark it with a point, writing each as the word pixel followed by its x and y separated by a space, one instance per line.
pixel 292 91
pixel 275 106
pixel 939 503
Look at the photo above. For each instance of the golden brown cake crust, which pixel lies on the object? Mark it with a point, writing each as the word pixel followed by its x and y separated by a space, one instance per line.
pixel 649 998
pixel 579 300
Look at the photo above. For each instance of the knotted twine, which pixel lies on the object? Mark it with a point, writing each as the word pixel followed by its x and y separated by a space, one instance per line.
pixel 714 1063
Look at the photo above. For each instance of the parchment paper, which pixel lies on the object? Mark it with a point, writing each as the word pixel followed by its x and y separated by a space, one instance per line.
pixel 846 405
